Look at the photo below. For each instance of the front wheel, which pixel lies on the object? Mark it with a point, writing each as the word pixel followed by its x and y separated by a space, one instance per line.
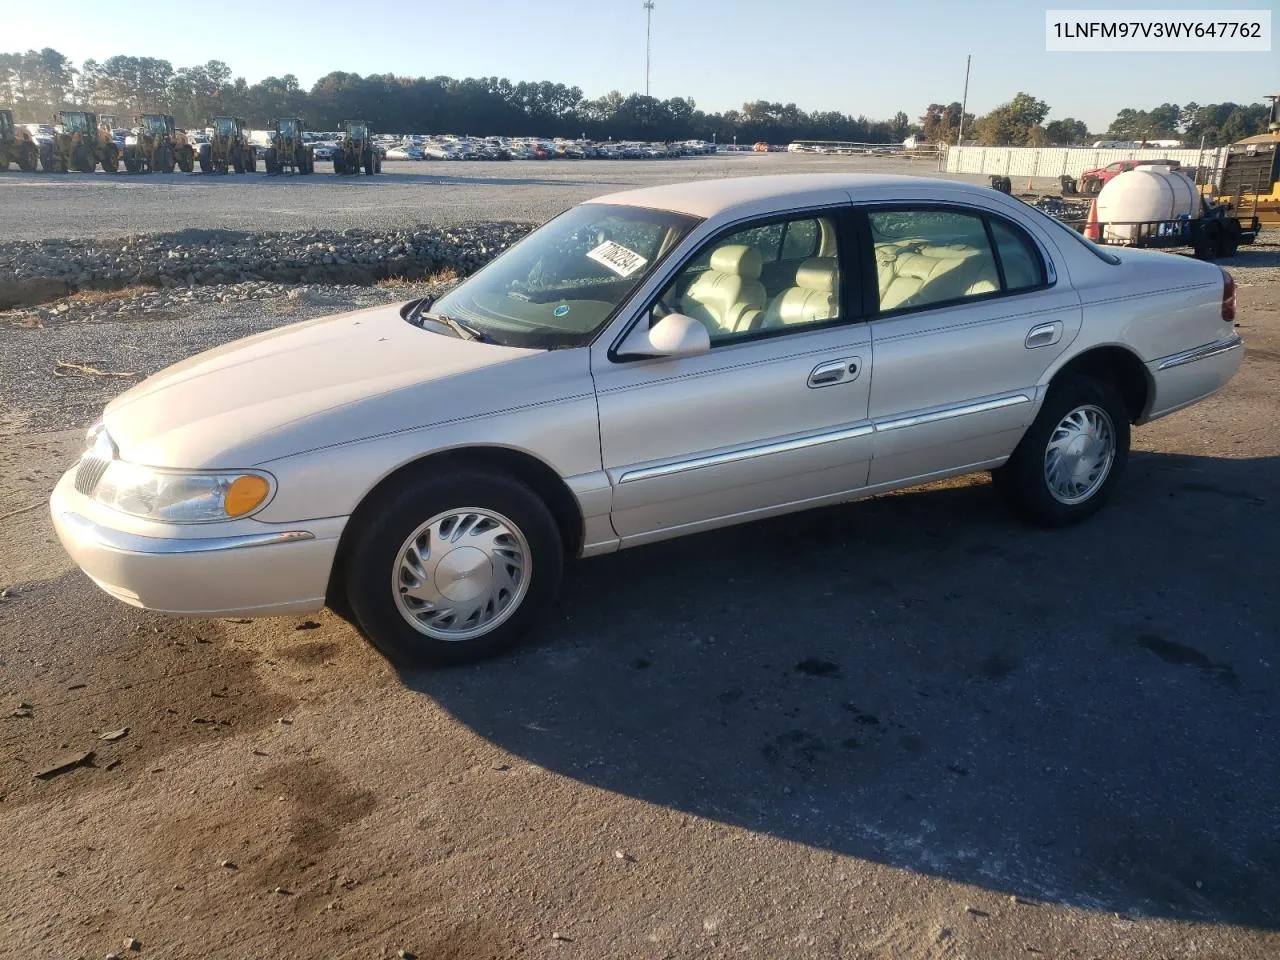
pixel 28 157
pixel 453 569
pixel 1071 457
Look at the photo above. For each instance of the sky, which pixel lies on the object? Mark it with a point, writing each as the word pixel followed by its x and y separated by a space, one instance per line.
pixel 872 57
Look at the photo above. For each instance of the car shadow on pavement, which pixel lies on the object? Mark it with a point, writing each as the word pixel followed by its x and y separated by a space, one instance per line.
pixel 1084 716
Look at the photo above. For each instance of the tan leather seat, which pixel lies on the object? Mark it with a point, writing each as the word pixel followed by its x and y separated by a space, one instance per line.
pixel 729 294
pixel 815 296
pixel 915 273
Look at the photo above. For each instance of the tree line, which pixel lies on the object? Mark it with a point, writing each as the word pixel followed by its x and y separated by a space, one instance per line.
pixel 38 83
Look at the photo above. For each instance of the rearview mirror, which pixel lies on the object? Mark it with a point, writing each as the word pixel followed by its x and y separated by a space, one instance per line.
pixel 675 335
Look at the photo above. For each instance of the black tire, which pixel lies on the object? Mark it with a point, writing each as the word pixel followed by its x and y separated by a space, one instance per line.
pixel 1069 187
pixel 81 159
pixel 1209 240
pixel 1091 186
pixel 339 165
pixel 237 160
pixel 250 161
pixel 132 162
pixel 368 163
pixel 1022 480
pixel 111 159
pixel 164 159
pixel 28 157
pixel 399 512
pixel 272 167
pixel 206 158
pixel 1230 238
pixel 187 160
pixel 46 157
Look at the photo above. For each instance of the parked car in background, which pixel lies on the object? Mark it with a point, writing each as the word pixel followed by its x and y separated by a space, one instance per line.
pixel 647 365
pixel 1092 181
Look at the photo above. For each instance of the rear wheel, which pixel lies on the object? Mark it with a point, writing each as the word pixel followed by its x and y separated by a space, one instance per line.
pixel 368 163
pixel 187 159
pixel 1230 238
pixel 453 568
pixel 1070 459
pixel 46 157
pixel 237 160
pixel 28 157
pixel 273 166
pixel 82 159
pixel 1209 241
pixel 132 162
pixel 339 165
pixel 250 161
pixel 164 159
pixel 110 159
pixel 206 158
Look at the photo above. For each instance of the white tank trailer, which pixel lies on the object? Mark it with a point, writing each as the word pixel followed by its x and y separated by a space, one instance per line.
pixel 1132 200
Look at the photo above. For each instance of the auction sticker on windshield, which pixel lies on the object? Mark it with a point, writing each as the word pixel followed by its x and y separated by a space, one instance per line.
pixel 617 258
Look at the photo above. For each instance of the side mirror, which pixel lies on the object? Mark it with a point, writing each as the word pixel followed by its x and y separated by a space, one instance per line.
pixel 675 335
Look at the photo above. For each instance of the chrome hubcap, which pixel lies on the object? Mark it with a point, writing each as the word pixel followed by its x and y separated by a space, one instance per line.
pixel 1078 458
pixel 461 574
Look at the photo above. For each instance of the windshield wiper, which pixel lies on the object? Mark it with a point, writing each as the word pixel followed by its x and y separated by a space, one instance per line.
pixel 463 331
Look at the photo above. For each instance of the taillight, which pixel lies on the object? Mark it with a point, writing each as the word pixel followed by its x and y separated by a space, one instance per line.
pixel 1228 298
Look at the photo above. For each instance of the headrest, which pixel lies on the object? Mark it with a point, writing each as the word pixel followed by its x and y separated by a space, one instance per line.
pixel 818 273
pixel 737 258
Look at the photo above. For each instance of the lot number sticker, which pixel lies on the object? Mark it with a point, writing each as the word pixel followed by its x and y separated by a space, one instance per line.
pixel 617 258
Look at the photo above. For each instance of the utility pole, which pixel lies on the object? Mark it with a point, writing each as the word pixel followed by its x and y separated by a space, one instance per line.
pixel 648 40
pixel 965 101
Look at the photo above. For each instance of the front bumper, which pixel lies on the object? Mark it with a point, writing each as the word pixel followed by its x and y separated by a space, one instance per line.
pixel 256 570
pixel 1181 379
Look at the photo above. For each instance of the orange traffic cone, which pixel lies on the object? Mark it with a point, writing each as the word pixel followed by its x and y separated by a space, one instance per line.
pixel 1091 228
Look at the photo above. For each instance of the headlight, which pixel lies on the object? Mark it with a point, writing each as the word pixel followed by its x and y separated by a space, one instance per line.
pixel 171 496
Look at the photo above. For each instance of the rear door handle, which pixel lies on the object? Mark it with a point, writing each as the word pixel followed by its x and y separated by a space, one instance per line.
pixel 1044 335
pixel 832 372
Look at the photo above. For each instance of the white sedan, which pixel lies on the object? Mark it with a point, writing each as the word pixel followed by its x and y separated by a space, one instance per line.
pixel 646 365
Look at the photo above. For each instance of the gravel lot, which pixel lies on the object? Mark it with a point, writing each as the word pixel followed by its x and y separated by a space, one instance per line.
pixel 904 728
pixel 34 206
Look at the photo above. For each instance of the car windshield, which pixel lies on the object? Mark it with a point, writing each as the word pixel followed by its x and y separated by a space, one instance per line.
pixel 562 283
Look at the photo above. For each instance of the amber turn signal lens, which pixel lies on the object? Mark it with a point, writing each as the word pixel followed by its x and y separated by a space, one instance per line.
pixel 245 494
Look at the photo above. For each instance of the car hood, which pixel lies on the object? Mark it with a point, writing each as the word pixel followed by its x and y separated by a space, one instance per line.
pixel 308 385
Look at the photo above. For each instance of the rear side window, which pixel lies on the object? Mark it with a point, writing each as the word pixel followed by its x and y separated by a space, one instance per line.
pixel 1023 267
pixel 930 256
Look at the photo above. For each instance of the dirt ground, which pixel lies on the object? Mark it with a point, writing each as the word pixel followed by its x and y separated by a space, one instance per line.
pixel 904 728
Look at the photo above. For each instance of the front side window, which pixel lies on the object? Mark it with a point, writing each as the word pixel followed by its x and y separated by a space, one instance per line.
pixel 563 282
pixel 779 276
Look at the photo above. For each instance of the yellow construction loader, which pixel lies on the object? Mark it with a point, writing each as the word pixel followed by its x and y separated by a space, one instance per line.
pixel 357 151
pixel 16 146
pixel 229 149
pixel 159 147
pixel 80 143
pixel 1250 179
pixel 288 150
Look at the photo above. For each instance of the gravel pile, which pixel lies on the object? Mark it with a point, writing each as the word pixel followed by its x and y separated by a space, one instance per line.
pixel 34 272
pixel 61 373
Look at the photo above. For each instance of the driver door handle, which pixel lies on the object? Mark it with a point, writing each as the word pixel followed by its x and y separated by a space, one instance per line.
pixel 832 372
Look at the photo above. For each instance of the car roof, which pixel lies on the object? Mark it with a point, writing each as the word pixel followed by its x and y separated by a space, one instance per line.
pixel 713 198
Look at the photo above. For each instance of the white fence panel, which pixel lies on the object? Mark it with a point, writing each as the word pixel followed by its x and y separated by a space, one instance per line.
pixel 1057 161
